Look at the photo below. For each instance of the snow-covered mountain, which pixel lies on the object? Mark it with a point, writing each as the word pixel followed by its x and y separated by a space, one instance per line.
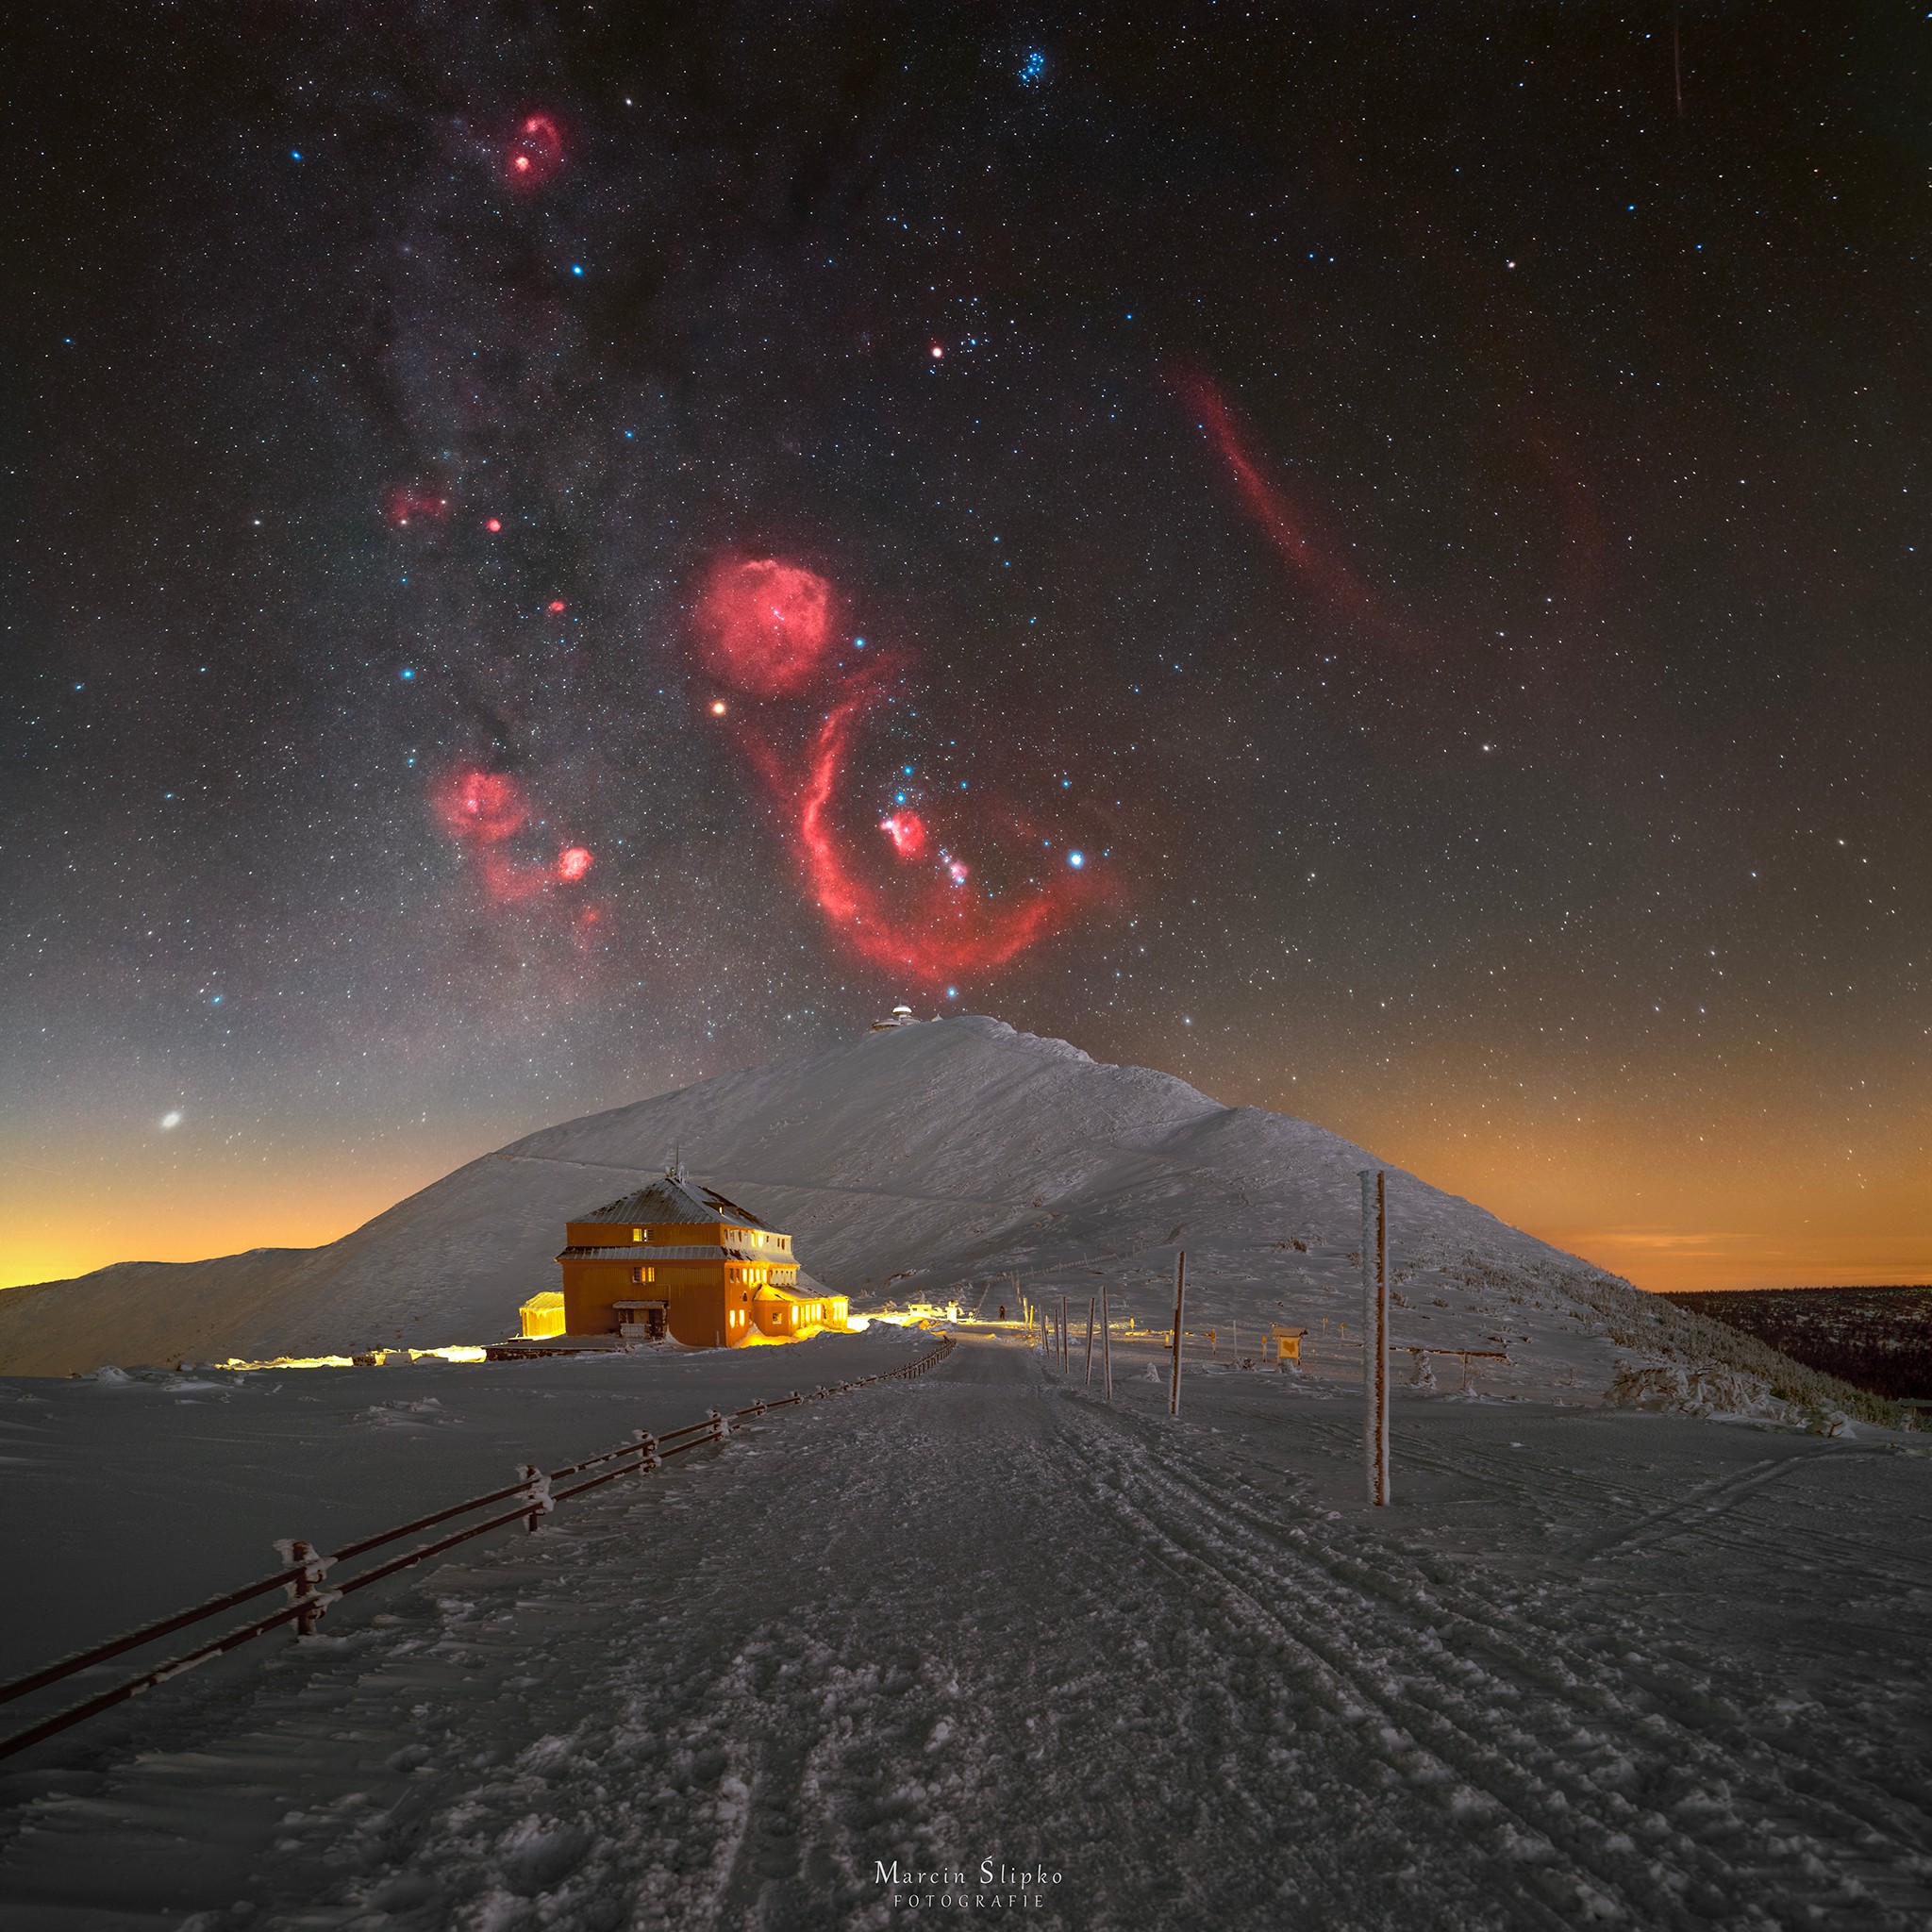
pixel 914 1159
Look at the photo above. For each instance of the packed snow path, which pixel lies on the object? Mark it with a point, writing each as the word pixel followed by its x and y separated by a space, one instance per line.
pixel 983 1618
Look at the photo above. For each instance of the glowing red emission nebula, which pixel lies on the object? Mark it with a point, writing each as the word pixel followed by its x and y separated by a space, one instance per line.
pixel 409 504
pixel 485 807
pixel 535 155
pixel 573 862
pixel 906 831
pixel 922 924
pixel 1291 527
pixel 764 625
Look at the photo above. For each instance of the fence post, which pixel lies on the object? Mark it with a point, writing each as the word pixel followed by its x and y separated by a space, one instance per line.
pixel 1180 1296
pixel 537 1486
pixel 1376 1333
pixel 647 1452
pixel 1089 1343
pixel 304 1589
pixel 1106 1347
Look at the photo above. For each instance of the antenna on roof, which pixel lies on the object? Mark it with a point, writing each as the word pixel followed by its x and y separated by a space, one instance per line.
pixel 675 1170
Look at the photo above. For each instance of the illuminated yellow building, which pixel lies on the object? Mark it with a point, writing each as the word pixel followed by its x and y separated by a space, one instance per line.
pixel 542 1315
pixel 676 1259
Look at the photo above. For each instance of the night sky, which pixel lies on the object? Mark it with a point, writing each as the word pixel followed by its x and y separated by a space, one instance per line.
pixel 1373 558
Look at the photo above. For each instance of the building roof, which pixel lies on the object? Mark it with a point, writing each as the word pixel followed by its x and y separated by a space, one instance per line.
pixel 666 1251
pixel 673 1199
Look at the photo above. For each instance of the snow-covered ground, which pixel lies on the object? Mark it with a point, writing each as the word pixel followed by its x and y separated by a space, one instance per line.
pixel 1595 1665
pixel 128 1497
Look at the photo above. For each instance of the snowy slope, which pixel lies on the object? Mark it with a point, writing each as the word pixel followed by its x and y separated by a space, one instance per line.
pixel 906 1161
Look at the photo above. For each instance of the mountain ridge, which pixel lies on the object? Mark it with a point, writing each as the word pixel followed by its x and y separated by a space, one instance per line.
pixel 912 1159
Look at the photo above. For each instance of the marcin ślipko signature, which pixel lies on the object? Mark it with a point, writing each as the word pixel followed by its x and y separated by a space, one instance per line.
pixel 991 1887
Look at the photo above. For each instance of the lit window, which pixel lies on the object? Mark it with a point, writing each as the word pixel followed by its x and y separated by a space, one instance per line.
pixel 636 1234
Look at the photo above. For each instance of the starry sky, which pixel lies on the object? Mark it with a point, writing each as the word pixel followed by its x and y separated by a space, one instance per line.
pixel 1374 558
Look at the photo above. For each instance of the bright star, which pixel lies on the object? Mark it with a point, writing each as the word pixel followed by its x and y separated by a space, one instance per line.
pixel 170 1120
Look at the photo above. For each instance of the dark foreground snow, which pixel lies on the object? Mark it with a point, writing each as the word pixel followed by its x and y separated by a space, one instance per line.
pixel 1594 1667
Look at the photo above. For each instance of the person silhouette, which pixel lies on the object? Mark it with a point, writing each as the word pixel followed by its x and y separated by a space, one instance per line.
pixel 1003 1311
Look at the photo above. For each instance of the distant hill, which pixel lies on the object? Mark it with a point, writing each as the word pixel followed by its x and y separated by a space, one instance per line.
pixel 1876 1339
pixel 907 1160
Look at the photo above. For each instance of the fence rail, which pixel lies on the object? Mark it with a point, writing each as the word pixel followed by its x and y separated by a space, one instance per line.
pixel 305 1573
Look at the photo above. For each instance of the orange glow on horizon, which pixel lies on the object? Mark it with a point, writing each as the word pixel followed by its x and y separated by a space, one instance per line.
pixel 1764 1190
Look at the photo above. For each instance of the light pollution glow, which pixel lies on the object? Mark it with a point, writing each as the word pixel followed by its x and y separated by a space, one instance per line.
pixel 1763 1195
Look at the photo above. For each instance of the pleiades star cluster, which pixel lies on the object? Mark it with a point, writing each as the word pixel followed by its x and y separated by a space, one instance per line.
pixel 1371 557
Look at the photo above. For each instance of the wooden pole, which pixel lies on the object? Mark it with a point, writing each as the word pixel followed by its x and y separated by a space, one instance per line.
pixel 1181 1298
pixel 1376 1333
pixel 1066 1340
pixel 1089 1342
pixel 1106 1348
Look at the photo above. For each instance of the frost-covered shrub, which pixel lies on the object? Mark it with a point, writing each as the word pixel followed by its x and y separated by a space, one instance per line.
pixel 1659 1330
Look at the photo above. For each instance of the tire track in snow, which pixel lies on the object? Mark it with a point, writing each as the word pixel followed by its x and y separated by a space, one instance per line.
pixel 1344 1618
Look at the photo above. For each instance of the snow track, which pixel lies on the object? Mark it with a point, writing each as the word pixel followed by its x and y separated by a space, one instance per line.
pixel 1592 1789
pixel 982 1617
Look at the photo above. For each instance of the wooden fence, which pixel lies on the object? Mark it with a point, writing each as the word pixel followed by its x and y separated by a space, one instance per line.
pixel 302 1579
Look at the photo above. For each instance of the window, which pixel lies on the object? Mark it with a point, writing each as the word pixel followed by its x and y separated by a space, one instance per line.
pixel 636 1234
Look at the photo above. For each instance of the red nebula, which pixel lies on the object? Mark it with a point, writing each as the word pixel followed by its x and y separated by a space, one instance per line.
pixel 1288 525
pixel 556 606
pixel 415 503
pixel 484 806
pixel 906 831
pixel 535 153
pixel 927 928
pixel 508 880
pixel 495 524
pixel 573 862
pixel 763 626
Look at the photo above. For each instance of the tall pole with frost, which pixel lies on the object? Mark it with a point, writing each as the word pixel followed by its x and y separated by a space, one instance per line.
pixel 1180 1297
pixel 1106 1348
pixel 1375 1332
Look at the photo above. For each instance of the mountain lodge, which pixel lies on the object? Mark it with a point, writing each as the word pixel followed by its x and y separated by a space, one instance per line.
pixel 679 1259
